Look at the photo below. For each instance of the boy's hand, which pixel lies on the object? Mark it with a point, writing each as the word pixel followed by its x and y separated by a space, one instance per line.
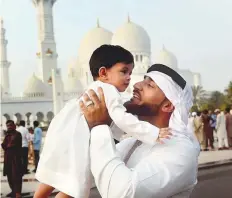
pixel 164 133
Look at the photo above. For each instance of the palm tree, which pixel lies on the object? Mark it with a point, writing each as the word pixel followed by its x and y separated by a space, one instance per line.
pixel 228 92
pixel 198 95
pixel 217 99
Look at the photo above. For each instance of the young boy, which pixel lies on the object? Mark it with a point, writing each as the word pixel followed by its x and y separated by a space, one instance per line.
pixel 66 168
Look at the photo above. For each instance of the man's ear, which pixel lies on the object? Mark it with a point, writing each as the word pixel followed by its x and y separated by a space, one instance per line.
pixel 168 107
pixel 102 72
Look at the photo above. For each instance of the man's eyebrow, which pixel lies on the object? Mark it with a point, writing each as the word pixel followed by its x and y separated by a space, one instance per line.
pixel 146 77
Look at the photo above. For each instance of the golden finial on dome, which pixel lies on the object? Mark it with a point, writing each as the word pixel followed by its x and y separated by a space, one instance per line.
pixel 98 23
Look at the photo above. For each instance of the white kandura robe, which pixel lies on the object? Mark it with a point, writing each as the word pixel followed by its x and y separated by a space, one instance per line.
pixel 160 171
pixel 221 130
pixel 64 162
pixel 190 125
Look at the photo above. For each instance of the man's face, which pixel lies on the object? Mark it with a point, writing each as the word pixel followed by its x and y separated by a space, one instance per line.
pixel 11 126
pixel 148 97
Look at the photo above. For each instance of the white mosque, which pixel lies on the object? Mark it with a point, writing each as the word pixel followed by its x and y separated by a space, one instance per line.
pixel 45 93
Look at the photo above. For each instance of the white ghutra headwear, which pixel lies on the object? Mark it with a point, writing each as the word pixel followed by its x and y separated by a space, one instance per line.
pixel 178 93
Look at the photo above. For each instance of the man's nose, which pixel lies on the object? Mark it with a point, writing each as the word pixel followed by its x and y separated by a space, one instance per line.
pixel 139 86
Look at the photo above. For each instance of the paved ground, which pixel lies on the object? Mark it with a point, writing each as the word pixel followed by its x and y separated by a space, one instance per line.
pixel 30 184
pixel 214 183
pixel 212 156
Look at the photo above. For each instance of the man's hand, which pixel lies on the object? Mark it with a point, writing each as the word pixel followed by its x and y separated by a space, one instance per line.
pixel 95 112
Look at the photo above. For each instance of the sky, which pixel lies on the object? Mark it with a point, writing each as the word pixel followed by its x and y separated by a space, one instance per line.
pixel 198 32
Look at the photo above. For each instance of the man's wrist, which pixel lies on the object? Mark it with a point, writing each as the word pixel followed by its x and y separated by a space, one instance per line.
pixel 94 124
pixel 97 126
pixel 91 126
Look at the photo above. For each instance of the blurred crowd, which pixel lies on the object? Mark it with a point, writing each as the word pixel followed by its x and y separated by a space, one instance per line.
pixel 210 127
pixel 20 144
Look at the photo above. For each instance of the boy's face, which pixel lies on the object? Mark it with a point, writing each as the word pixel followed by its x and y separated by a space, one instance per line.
pixel 119 75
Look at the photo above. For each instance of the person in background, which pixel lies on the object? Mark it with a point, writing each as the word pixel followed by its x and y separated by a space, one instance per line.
pixel 31 155
pixel 12 168
pixel 199 130
pixel 221 130
pixel 213 118
pixel 207 129
pixel 25 139
pixel 190 121
pixel 37 142
pixel 229 125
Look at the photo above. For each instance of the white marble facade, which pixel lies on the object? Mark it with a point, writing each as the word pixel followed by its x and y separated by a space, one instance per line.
pixel 40 100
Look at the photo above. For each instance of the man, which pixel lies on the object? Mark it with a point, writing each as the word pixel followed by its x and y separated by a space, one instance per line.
pixel 199 130
pixel 163 170
pixel 221 130
pixel 213 119
pixel 207 130
pixel 25 140
pixel 37 142
pixel 229 126
pixel 190 121
pixel 12 145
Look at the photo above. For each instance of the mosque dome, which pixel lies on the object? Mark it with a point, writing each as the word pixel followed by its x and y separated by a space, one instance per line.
pixel 133 37
pixel 92 40
pixel 73 85
pixel 72 64
pixel 167 58
pixel 36 88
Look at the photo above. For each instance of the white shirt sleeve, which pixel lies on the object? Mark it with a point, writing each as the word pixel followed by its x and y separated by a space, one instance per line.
pixel 149 178
pixel 218 122
pixel 127 122
pixel 116 132
pixel 27 135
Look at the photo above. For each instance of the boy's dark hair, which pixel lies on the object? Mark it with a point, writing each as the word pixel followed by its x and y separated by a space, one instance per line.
pixel 36 123
pixel 22 123
pixel 107 56
pixel 227 110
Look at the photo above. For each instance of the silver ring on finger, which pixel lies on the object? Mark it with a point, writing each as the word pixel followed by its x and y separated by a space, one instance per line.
pixel 88 103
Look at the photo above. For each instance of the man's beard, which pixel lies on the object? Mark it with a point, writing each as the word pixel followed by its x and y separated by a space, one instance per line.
pixel 141 110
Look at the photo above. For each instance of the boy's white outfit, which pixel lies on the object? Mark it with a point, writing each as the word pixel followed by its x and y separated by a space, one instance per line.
pixel 64 163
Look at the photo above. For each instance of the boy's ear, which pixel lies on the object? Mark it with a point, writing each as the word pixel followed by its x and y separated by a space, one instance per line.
pixel 102 72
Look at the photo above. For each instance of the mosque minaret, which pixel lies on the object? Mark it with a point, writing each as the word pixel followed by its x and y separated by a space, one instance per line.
pixel 4 64
pixel 46 54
